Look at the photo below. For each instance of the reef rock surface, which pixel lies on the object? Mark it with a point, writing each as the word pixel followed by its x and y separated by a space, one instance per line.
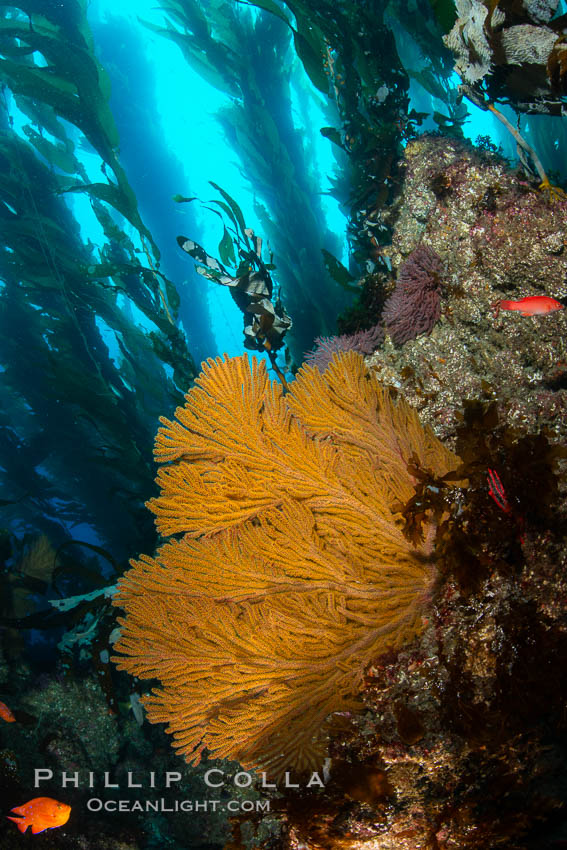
pixel 463 741
pixel 499 239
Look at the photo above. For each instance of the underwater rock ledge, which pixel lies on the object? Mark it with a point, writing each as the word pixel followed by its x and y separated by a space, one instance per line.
pixel 498 238
pixel 463 740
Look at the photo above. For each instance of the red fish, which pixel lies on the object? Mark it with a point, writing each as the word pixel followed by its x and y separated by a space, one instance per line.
pixel 497 493
pixel 533 305
pixel 41 813
pixel 6 714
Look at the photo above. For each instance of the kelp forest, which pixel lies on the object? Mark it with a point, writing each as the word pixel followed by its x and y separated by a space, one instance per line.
pixel 283 393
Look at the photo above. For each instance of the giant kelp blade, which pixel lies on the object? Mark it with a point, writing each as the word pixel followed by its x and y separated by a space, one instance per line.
pixel 236 211
pixel 56 289
pixel 198 253
pixel 75 86
pixel 111 195
pixel 338 272
pixel 312 60
pixel 202 63
pixel 226 249
pixel 267 6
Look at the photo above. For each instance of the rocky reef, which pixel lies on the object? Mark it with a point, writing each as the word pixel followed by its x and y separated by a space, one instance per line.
pixel 65 726
pixel 463 739
pixel 498 239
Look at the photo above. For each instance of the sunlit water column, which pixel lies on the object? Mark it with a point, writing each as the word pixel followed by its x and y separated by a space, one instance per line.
pixel 194 151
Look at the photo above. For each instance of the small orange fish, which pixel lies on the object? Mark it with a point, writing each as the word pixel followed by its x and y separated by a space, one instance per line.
pixel 41 813
pixel 533 305
pixel 6 714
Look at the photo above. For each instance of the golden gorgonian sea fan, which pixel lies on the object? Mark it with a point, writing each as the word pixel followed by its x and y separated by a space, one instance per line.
pixel 287 571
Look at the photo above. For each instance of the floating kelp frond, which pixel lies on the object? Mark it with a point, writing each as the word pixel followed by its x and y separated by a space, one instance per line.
pixel 74 419
pixel 265 319
pixel 247 56
pixel 72 84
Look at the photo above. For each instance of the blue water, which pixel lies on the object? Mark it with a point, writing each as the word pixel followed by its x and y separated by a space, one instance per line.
pixel 172 143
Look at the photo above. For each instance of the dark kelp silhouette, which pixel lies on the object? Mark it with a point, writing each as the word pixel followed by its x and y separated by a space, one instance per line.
pixel 76 416
pixel 248 58
pixel 265 319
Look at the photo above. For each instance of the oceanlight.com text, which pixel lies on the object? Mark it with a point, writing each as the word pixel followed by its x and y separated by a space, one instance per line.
pixel 95 804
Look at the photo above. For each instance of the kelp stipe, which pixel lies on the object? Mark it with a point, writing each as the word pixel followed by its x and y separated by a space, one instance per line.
pixel 248 279
pixel 76 421
pixel 245 57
